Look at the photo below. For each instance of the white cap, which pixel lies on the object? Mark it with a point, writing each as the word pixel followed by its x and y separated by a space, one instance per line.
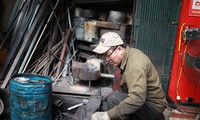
pixel 108 40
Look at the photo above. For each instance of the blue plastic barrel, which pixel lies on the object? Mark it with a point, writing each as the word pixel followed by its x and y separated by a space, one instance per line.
pixel 30 97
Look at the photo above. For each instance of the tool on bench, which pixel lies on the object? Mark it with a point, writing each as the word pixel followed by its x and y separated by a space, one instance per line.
pixel 88 71
pixel 85 101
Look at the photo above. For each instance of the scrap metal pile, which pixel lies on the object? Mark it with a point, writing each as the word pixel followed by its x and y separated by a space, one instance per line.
pixel 39 39
pixel 42 39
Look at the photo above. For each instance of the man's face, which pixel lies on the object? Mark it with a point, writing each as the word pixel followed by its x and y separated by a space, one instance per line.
pixel 114 56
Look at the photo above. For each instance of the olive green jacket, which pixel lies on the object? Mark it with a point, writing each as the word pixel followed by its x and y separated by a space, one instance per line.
pixel 143 84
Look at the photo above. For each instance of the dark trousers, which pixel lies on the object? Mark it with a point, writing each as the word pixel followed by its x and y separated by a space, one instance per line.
pixel 146 112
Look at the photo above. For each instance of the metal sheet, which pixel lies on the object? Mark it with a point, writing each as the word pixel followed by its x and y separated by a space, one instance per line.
pixel 154 34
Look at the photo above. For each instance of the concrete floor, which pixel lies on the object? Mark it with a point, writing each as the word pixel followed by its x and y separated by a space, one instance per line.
pixel 182 113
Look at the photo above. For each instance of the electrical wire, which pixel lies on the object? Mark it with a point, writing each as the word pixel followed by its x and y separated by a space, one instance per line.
pixel 180 73
pixel 179 45
pixel 184 53
pixel 180 36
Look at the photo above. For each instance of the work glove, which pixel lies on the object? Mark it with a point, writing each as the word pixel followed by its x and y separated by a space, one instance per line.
pixel 100 116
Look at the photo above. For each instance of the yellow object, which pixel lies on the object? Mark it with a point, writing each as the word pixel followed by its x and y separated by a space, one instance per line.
pixel 177 84
pixel 179 43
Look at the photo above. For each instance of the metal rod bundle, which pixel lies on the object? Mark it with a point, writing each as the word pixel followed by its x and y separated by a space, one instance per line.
pixel 40 26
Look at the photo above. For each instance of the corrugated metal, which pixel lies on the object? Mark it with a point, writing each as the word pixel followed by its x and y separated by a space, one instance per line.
pixel 154 34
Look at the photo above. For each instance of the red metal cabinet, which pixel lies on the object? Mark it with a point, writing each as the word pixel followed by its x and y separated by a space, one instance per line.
pixel 184 83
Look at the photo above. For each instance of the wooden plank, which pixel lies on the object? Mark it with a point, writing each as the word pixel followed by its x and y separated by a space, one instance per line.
pixel 110 25
pixel 93 105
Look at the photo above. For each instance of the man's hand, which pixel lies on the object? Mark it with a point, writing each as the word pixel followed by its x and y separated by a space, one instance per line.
pixel 100 116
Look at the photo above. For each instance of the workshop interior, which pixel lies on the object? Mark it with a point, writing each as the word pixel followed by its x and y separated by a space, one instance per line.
pixel 46 54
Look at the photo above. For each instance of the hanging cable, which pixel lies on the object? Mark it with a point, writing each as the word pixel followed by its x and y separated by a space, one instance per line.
pixel 180 36
pixel 180 73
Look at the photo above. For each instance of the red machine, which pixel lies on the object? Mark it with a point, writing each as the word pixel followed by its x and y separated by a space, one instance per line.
pixel 184 83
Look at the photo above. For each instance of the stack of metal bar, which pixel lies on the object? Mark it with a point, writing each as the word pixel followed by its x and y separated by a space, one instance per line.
pixel 40 39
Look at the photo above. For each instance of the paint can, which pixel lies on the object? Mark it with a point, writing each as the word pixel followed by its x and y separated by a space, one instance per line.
pixel 30 97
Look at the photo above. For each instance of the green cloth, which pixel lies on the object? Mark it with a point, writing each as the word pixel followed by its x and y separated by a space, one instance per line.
pixel 143 84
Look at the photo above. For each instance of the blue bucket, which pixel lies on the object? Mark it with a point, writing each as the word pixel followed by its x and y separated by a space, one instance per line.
pixel 30 97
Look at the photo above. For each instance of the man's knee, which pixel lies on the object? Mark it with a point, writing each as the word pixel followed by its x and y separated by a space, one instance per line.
pixel 115 98
pixel 112 96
